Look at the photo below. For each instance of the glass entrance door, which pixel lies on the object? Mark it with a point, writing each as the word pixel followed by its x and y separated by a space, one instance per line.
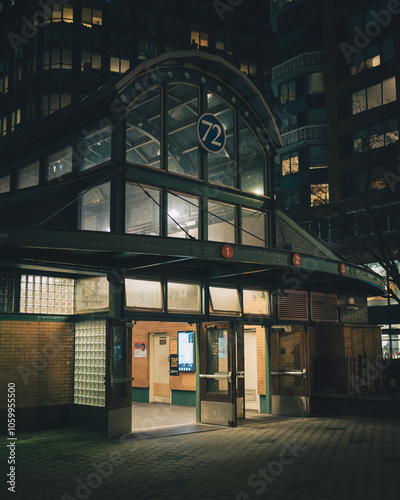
pixel 118 378
pixel 288 371
pixel 218 374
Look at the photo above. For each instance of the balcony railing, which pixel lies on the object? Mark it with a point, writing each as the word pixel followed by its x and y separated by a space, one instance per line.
pixel 301 61
pixel 309 133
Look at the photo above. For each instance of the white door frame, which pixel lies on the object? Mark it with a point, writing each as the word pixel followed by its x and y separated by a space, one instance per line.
pixel 151 374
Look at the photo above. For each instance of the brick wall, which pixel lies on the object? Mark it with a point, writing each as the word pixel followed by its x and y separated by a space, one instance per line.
pixel 39 358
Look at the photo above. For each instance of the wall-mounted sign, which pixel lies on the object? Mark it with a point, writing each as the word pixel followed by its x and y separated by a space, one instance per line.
pixel 342 268
pixel 211 133
pixel 227 251
pixel 296 259
pixel 173 365
pixel 140 350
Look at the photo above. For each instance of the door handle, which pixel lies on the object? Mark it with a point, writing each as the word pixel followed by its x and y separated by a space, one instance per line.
pixel 302 373
pixel 217 376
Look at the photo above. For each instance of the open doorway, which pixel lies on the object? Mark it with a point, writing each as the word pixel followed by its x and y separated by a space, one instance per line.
pixel 163 369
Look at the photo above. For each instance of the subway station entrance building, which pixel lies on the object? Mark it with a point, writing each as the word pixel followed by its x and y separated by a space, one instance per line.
pixel 143 258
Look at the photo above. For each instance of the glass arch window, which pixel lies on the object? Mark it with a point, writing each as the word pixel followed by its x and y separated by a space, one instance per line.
pixel 183 113
pixel 221 166
pixel 95 148
pixel 252 161
pixel 143 129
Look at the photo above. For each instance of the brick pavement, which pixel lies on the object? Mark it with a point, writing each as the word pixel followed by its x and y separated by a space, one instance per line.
pixel 277 459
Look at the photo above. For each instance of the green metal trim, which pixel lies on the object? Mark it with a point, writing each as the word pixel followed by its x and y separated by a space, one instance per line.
pixel 267 406
pixel 183 398
pixel 114 250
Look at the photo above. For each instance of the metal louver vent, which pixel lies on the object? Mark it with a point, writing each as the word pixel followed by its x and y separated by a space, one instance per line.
pixel 289 239
pixel 324 307
pixel 293 306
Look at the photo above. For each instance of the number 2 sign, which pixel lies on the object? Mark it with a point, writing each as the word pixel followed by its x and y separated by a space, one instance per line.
pixel 211 133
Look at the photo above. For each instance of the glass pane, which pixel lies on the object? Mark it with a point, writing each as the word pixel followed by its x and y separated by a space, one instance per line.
pixel 217 360
pixel 256 302
pixel 225 299
pixel 221 222
pixel 95 148
pixel 185 212
pixel 186 351
pixel 28 176
pixel 184 297
pixel 183 113
pixel 143 130
pixel 254 228
pixel 95 209
pixel 5 184
pixel 252 161
pixel 142 214
pixel 389 90
pixel 221 166
pixel 359 101
pixel 374 96
pixel 59 163
pixel 289 351
pixel 143 294
pixel 91 294
pixel 315 83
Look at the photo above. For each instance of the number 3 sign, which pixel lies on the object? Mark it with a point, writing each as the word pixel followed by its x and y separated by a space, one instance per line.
pixel 211 133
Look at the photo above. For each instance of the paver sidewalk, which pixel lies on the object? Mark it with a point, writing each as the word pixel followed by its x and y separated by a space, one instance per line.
pixel 293 459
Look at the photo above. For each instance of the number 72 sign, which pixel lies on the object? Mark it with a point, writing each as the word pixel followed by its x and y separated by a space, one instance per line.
pixel 211 133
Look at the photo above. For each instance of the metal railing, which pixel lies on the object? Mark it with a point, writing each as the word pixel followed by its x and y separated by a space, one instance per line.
pixel 301 61
pixel 307 133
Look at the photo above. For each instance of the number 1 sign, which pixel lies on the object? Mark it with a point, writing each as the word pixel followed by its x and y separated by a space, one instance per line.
pixel 211 133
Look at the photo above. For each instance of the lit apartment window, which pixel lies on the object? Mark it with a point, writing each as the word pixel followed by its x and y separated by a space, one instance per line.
pixel 319 194
pixel 57 59
pixel 90 61
pixel 118 65
pixel 28 176
pixel 287 92
pixel 15 119
pixel 5 184
pixel 91 17
pixel 378 136
pixel 199 39
pixel 4 84
pixel 315 83
pixel 249 68
pixel 3 126
pixel 290 163
pixel 377 95
pixel 378 184
pixel 58 13
pixel 372 56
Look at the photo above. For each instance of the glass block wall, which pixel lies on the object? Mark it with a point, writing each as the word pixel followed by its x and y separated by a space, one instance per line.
pixel 46 295
pixel 90 363
pixel 6 292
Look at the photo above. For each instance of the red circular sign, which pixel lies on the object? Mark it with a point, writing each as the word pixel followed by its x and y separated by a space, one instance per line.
pixel 227 251
pixel 296 259
pixel 342 268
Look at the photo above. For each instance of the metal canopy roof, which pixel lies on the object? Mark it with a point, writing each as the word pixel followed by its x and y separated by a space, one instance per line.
pixel 93 253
